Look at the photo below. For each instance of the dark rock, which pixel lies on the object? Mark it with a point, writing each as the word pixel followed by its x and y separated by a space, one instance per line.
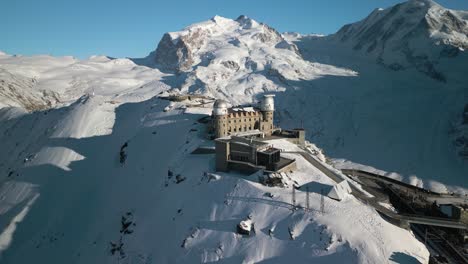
pixel 180 178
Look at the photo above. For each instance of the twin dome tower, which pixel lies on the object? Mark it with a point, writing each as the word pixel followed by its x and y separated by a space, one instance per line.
pixel 241 120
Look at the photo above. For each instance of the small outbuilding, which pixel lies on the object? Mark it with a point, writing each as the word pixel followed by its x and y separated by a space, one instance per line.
pixel 339 191
pixel 244 227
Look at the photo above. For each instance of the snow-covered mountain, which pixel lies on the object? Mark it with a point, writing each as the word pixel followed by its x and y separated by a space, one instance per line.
pixel 416 33
pixel 88 181
pixel 18 91
pixel 402 113
pixel 103 173
pixel 234 59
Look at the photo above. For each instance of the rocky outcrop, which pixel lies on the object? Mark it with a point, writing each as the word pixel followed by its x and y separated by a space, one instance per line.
pixel 465 115
pixel 19 91
pixel 196 44
pixel 231 65
pixel 174 54
pixel 459 133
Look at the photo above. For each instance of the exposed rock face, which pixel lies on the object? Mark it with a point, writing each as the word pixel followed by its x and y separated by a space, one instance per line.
pixel 231 65
pixel 459 133
pixel 174 54
pixel 288 45
pixel 414 34
pixel 18 91
pixel 179 51
pixel 213 56
pixel 270 35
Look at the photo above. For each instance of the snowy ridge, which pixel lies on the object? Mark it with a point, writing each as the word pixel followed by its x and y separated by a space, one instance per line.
pixel 234 59
pixel 416 33
pixel 19 91
pixel 41 82
pixel 396 114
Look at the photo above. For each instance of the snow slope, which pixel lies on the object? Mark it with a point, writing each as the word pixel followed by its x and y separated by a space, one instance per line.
pixel 416 34
pixel 397 121
pixel 74 201
pixel 86 179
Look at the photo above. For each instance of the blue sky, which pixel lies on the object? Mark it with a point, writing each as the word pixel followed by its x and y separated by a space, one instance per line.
pixel 133 28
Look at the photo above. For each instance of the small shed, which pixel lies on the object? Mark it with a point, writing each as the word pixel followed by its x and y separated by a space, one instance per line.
pixel 244 227
pixel 339 191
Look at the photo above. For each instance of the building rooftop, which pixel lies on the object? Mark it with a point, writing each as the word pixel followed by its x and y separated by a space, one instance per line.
pixel 270 150
pixel 244 109
pixel 254 132
pixel 240 140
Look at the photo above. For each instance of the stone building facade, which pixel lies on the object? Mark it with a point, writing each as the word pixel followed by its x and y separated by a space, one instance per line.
pixel 237 120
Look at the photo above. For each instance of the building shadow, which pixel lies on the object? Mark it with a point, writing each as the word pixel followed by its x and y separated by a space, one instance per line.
pixel 316 187
pixel 222 225
pixel 403 258
pixel 260 200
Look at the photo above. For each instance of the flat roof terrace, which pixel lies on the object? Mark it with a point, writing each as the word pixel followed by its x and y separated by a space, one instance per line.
pixel 270 150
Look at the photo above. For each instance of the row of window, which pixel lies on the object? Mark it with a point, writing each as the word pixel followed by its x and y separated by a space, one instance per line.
pixel 245 120
pixel 240 158
pixel 245 128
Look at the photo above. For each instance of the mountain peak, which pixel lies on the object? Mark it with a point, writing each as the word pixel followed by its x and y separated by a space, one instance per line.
pixel 246 22
pixel 422 2
pixel 220 20
pixel 392 35
pixel 199 42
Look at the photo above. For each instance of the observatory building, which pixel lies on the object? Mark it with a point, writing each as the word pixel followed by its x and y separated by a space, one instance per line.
pixel 243 120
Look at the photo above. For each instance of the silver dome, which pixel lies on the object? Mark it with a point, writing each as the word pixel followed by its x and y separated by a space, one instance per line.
pixel 220 104
pixel 220 107
pixel 268 103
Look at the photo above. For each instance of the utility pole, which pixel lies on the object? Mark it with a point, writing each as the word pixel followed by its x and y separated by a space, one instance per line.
pixel 322 202
pixel 425 238
pixel 293 197
pixel 307 198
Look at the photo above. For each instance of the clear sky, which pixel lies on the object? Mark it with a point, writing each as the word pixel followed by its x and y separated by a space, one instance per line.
pixel 133 28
